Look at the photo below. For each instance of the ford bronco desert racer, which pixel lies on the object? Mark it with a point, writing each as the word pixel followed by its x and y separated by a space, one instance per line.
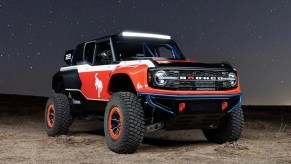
pixel 140 82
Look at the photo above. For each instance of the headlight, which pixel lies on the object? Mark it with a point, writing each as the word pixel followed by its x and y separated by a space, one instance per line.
pixel 233 79
pixel 158 78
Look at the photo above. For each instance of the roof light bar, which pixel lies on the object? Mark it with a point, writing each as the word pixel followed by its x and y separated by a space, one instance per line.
pixel 145 35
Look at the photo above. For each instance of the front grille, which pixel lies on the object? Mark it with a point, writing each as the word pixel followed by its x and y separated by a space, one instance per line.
pixel 197 80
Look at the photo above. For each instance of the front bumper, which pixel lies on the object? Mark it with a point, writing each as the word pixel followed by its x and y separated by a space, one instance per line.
pixel 200 110
pixel 194 103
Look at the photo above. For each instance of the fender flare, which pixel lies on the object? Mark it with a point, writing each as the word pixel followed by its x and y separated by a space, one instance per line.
pixel 66 80
pixel 136 74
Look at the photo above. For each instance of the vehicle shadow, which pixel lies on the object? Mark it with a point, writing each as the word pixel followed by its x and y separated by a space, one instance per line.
pixel 173 139
pixel 98 132
pixel 161 142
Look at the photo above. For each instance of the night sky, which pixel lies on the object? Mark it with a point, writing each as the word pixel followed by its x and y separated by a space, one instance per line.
pixel 255 36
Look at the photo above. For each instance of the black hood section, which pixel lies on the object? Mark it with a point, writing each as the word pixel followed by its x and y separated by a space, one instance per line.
pixel 224 66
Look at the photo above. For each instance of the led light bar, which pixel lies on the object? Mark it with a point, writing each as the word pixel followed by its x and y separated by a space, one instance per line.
pixel 145 35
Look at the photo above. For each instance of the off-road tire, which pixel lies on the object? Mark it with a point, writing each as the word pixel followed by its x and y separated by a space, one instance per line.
pixel 229 128
pixel 62 115
pixel 132 123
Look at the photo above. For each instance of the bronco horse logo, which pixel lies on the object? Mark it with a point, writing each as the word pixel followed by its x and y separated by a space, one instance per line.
pixel 98 85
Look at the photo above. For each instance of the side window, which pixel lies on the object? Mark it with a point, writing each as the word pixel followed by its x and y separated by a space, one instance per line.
pixel 89 52
pixel 103 53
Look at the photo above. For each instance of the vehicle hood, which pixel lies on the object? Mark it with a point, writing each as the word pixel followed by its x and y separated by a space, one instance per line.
pixel 190 64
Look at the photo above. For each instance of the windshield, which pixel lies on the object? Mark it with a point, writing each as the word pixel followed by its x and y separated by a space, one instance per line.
pixel 148 49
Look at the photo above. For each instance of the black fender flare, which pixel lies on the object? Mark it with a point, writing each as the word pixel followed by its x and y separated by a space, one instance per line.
pixel 66 80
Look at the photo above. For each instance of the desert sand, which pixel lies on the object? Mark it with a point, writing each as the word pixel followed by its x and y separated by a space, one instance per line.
pixel 23 140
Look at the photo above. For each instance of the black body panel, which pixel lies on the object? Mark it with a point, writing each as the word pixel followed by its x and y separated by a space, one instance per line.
pixel 78 54
pixel 67 79
pixel 87 107
pixel 72 79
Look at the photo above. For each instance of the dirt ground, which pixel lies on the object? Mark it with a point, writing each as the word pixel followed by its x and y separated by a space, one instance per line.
pixel 23 140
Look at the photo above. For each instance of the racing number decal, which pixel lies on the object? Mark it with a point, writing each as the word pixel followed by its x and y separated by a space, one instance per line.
pixel 68 57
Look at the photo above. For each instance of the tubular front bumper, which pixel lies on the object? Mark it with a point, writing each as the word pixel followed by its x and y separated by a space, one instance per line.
pixel 194 103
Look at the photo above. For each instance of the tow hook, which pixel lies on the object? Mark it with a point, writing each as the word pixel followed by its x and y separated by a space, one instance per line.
pixel 154 127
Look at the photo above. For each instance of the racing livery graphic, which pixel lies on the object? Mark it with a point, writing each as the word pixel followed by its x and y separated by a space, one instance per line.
pixel 141 82
pixel 98 85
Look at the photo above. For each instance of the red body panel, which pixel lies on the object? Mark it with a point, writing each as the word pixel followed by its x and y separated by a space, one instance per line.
pixel 138 76
pixel 91 79
pixel 89 87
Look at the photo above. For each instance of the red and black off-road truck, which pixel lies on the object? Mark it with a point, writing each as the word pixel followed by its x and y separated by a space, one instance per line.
pixel 141 82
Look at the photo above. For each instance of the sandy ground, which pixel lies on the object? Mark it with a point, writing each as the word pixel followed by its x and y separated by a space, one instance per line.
pixel 24 140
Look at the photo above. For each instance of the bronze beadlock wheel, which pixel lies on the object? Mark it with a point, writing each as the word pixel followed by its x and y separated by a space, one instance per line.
pixel 51 116
pixel 115 123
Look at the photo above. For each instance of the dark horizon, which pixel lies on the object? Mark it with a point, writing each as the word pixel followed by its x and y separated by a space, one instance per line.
pixel 254 36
